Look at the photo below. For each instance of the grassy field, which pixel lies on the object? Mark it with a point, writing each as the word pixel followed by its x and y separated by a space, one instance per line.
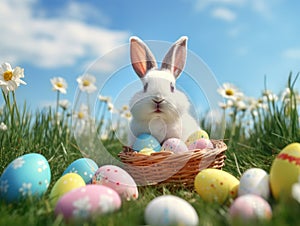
pixel 254 136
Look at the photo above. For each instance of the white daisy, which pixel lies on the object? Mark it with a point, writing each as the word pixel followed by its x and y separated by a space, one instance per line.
pixel 127 115
pixel 87 83
pixel 268 95
pixel 229 91
pixel 104 98
pixel 104 136
pixel 241 105
pixel 10 78
pixel 59 84
pixel 83 113
pixel 110 107
pixel 64 104
pixel 3 127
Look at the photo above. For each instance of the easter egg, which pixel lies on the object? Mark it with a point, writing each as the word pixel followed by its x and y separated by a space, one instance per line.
pixel 85 167
pixel 255 181
pixel 65 184
pixel 147 151
pixel 196 136
pixel 174 145
pixel 214 185
pixel 117 179
pixel 83 202
pixel 27 175
pixel 250 206
pixel 296 191
pixel 201 143
pixel 285 171
pixel 145 140
pixel 170 210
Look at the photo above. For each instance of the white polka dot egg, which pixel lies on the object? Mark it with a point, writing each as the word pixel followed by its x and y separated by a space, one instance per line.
pixel 170 210
pixel 146 140
pixel 201 143
pixel 117 179
pixel 85 167
pixel 255 181
pixel 196 136
pixel 84 202
pixel 250 207
pixel 174 145
pixel 27 175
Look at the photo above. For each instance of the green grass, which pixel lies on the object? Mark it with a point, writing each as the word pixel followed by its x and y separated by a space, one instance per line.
pixel 40 132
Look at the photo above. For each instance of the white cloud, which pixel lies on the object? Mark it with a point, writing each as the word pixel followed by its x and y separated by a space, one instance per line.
pixel 260 7
pixel 50 42
pixel 83 11
pixel 292 53
pixel 224 14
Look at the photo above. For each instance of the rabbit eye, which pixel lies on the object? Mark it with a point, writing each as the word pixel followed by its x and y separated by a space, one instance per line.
pixel 172 87
pixel 145 87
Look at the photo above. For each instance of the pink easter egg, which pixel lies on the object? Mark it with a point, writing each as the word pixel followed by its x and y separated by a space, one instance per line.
pixel 83 202
pixel 174 145
pixel 201 143
pixel 117 179
pixel 250 206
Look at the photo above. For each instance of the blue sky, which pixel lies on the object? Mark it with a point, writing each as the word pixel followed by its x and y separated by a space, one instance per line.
pixel 241 41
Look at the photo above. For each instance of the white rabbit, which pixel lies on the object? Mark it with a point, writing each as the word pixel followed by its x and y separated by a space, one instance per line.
pixel 159 109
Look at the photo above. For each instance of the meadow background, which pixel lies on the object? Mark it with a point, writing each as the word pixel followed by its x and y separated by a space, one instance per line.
pixel 251 46
pixel 255 131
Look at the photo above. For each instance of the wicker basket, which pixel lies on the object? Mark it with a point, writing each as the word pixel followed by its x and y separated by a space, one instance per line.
pixel 174 169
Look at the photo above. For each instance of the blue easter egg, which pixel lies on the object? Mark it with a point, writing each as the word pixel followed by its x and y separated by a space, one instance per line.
pixel 27 175
pixel 146 140
pixel 85 167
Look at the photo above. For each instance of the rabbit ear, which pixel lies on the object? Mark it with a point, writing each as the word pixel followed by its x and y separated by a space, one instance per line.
pixel 142 58
pixel 176 56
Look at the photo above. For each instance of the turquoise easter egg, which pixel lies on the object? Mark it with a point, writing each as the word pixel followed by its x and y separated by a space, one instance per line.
pixel 27 175
pixel 146 140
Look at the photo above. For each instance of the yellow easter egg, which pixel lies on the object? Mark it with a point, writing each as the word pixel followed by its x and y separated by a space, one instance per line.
pixel 146 151
pixel 65 184
pixel 214 185
pixel 196 136
pixel 285 171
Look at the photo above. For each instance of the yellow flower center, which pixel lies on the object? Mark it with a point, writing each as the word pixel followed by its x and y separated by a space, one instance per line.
pixel 59 84
pixel 260 101
pixel 127 115
pixel 86 83
pixel 7 75
pixel 229 92
pixel 80 115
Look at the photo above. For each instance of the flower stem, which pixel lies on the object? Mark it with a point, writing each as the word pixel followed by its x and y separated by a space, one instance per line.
pixel 16 107
pixel 5 97
pixel 57 104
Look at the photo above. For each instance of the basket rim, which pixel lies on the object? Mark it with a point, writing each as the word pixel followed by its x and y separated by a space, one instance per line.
pixel 219 147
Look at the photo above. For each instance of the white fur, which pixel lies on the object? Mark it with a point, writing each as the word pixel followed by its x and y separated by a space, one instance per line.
pixel 175 120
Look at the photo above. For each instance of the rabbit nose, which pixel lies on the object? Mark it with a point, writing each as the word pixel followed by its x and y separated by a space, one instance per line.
pixel 158 100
